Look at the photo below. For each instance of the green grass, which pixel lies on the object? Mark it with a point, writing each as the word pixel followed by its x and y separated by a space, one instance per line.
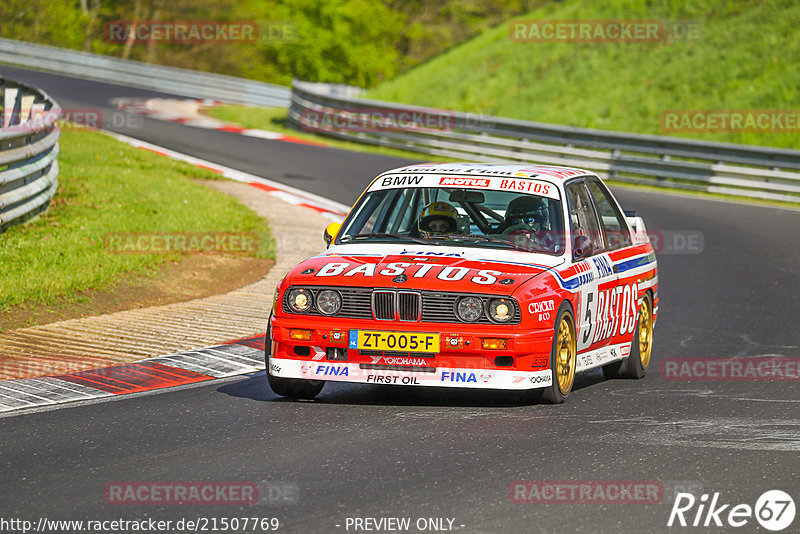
pixel 106 186
pixel 746 58
pixel 274 120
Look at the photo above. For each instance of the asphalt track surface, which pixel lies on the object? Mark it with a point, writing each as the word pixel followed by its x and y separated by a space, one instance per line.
pixel 390 451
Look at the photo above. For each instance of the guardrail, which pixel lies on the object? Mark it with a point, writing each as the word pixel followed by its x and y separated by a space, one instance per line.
pixel 740 170
pixel 29 135
pixel 109 69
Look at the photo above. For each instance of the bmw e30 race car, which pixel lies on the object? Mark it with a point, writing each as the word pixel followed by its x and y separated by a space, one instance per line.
pixel 470 275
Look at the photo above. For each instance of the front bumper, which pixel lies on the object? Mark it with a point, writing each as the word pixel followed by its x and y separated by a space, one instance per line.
pixel 461 362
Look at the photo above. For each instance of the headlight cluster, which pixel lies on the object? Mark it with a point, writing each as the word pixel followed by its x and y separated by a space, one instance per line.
pixel 500 310
pixel 329 301
pixel 301 300
pixel 471 309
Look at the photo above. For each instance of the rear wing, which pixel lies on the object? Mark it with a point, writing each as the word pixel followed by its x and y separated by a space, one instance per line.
pixel 638 230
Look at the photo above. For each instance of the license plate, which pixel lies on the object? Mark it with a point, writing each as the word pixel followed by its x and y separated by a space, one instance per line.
pixel 400 341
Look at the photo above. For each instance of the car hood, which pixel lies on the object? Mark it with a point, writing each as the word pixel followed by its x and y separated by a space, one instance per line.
pixel 423 268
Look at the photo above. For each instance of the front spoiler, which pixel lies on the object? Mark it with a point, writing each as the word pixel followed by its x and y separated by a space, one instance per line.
pixel 440 377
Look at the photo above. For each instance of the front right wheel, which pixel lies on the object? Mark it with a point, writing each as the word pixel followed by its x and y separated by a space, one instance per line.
pixel 288 387
pixel 563 357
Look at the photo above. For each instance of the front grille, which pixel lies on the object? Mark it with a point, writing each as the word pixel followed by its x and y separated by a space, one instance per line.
pixel 396 305
pixel 383 305
pixel 411 306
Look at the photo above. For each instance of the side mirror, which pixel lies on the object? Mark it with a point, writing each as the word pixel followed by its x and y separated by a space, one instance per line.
pixel 330 233
pixel 581 247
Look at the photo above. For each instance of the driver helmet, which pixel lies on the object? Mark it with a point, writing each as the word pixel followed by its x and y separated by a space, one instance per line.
pixel 529 211
pixel 437 218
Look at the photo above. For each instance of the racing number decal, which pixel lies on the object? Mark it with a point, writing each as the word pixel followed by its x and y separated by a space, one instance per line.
pixel 588 317
pixel 613 313
pixel 588 303
pixel 603 309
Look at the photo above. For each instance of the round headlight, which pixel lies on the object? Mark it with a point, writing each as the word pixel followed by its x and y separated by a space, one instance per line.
pixel 300 300
pixel 469 309
pixel 501 310
pixel 329 301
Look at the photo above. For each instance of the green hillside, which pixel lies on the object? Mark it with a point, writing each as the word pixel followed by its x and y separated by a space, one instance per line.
pixel 747 57
pixel 358 42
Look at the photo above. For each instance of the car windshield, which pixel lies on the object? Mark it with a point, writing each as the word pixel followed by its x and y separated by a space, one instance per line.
pixel 442 216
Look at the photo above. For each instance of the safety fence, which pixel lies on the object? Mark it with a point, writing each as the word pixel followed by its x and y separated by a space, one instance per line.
pixel 29 135
pixel 670 162
pixel 184 82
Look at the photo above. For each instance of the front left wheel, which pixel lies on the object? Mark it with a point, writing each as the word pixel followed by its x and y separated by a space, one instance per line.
pixel 294 388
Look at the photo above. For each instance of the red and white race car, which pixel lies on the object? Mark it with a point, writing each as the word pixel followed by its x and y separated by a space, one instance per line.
pixel 470 275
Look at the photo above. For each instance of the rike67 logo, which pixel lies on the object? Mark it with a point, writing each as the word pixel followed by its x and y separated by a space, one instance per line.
pixel 774 510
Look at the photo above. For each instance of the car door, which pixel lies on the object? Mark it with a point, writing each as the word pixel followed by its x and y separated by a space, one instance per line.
pixel 595 316
pixel 620 250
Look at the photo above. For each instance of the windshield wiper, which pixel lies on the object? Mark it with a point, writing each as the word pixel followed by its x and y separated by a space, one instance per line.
pixel 382 235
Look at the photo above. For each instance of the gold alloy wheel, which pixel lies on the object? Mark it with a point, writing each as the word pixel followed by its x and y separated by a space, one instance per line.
pixel 565 355
pixel 645 332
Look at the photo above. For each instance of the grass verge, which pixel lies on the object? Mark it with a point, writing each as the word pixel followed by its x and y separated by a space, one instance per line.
pixel 106 186
pixel 742 59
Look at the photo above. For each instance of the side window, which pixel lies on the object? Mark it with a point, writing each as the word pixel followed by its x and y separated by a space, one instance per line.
pixel 582 217
pixel 614 226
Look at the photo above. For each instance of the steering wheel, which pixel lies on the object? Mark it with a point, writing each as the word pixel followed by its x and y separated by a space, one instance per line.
pixel 516 227
pixel 525 231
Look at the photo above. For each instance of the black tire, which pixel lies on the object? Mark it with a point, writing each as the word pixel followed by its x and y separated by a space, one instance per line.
pixel 295 388
pixel 554 394
pixel 634 366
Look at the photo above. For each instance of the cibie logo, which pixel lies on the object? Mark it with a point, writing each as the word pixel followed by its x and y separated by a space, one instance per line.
pixel 540 307
pixel 774 510
pixel 464 182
